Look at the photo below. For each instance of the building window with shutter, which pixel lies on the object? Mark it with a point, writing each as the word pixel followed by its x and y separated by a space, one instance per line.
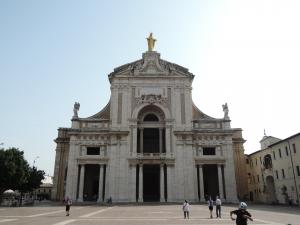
pixel 294 148
pixel 283 175
pixel 279 152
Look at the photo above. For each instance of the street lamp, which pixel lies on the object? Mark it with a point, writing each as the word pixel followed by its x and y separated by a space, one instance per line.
pixel 35 161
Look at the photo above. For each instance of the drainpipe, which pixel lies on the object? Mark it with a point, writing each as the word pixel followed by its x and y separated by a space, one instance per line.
pixel 293 172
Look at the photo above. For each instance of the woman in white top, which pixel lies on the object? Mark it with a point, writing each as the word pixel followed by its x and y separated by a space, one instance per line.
pixel 210 206
pixel 186 209
pixel 68 203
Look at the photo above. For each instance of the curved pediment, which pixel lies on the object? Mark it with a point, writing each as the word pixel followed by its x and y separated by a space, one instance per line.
pixel 199 115
pixel 103 114
pixel 151 65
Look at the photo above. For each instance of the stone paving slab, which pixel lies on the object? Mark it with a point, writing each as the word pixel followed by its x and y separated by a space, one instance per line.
pixel 141 215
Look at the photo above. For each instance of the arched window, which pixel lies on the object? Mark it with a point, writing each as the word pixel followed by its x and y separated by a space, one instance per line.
pixel 268 161
pixel 151 117
pixel 151 113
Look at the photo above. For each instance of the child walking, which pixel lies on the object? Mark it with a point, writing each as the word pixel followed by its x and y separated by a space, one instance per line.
pixel 242 215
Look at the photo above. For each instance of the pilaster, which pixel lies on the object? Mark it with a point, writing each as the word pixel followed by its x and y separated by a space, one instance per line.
pixel 81 183
pixel 202 197
pixel 162 183
pixel 100 189
pixel 140 183
pixel 72 173
pixel 220 178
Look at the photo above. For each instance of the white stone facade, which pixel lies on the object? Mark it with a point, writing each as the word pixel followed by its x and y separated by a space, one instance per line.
pixel 150 133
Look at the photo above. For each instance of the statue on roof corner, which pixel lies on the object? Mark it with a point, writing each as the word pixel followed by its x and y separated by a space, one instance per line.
pixel 76 109
pixel 151 42
pixel 225 110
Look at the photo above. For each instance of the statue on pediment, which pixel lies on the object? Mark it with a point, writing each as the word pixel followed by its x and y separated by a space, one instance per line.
pixel 76 109
pixel 225 110
pixel 151 42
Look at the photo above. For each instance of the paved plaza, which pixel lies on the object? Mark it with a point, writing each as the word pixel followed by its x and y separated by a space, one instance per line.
pixel 140 214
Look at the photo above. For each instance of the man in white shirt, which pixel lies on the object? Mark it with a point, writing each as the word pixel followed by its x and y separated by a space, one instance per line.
pixel 218 206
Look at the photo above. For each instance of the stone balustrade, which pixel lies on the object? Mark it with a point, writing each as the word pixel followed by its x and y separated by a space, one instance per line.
pixel 199 124
pixel 152 155
pixel 97 125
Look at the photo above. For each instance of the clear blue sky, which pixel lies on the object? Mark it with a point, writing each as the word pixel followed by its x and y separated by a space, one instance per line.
pixel 53 53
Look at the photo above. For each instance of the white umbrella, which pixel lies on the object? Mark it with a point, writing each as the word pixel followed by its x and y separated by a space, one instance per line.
pixel 9 191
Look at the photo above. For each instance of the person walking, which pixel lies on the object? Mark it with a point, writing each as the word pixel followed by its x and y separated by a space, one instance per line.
pixel 186 209
pixel 218 206
pixel 68 203
pixel 210 203
pixel 242 215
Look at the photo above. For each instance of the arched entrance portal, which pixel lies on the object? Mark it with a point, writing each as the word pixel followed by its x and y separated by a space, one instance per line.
pixel 270 189
pixel 151 143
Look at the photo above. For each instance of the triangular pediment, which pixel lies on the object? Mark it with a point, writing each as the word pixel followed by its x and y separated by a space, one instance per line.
pixel 151 65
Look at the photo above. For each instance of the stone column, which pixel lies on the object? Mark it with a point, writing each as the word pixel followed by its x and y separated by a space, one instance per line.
pixel 134 140
pixel 100 189
pixel 133 183
pixel 202 197
pixel 160 140
pixel 170 184
pixel 220 181
pixel 107 192
pixel 140 183
pixel 81 184
pixel 162 183
pixel 197 182
pixel 141 140
pixel 168 140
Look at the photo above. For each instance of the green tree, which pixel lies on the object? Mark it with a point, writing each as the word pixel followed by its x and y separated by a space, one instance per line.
pixel 15 172
pixel 34 180
pixel 14 169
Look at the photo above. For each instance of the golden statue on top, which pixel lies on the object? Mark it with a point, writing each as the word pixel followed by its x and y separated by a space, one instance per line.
pixel 151 41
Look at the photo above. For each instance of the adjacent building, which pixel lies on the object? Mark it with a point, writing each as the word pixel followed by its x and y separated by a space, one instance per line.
pixel 273 172
pixel 150 142
pixel 45 189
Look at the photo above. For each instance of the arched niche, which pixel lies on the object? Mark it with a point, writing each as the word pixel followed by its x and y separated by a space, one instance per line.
pixel 151 113
pixel 147 108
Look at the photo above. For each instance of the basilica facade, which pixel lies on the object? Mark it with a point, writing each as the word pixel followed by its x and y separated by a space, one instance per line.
pixel 149 143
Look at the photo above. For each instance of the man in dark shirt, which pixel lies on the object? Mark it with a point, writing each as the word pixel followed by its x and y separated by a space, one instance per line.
pixel 242 215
